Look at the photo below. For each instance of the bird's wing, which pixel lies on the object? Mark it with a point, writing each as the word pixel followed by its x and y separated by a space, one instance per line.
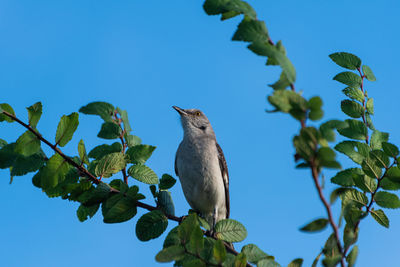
pixel 225 176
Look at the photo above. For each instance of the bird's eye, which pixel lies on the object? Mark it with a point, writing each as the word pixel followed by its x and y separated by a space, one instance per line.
pixel 197 113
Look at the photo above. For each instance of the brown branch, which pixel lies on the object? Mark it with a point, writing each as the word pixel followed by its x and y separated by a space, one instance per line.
pixel 96 181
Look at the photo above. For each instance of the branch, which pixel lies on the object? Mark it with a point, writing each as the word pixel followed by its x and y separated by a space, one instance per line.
pixel 96 181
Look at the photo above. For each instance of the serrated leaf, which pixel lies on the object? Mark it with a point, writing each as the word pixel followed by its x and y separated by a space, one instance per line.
pixel 230 230
pixel 251 31
pixel 125 120
pixel 355 130
pixel 118 209
pixel 388 184
pixel 368 73
pixel 370 106
pixel 371 168
pixel 34 114
pixel 346 60
pixel 140 153
pixel 232 7
pixel 268 262
pixel 7 108
pixel 23 165
pixel 351 258
pixel 365 183
pixel 393 173
pixel 381 159
pixel 143 174
pixel 171 253
pixel 99 151
pixel 353 196
pixel 349 78
pixel 349 235
pixel 85 212
pixel 54 172
pixel 166 182
pixel 296 263
pixel 345 177
pixel 103 109
pixel 196 242
pixel 166 203
pixel 315 226
pixel 254 253
pixel 98 194
pixel 387 200
pixel 390 149
pixel 109 130
pixel 172 238
pixel 377 138
pixel 110 164
pixel 352 108
pixel 132 140
pixel 327 129
pixel 353 93
pixel 281 84
pixel 66 128
pixel 380 217
pixel 240 260
pixel 82 152
pixel 219 251
pixel 356 151
pixel 27 144
pixel 336 193
pixel 270 51
pixel 151 225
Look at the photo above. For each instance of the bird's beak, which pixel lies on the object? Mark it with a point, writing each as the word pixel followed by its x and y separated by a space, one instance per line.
pixel 180 111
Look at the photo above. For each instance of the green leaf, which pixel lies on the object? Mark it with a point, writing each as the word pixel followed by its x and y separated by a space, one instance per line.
pixel 390 149
pixel 353 93
pixel 369 122
pixel 196 241
pixel 371 168
pixel 352 108
pixel 2 143
pixel 370 106
pixel 353 196
pixel 326 157
pixel 171 253
pixel 269 262
pixel 315 262
pixel 132 140
pixel 99 151
pixel 110 164
pixel 355 130
pixel 166 203
pixel 380 217
pixel 281 84
pixel 330 249
pixel 186 228
pixel 315 104
pixel 7 108
pixel 251 31
pixel 394 174
pixel 381 159
pixel 82 152
pixel 351 258
pixel 230 230
pixel 27 144
pixel 66 128
pixel 85 212
pixel 349 78
pixel 254 253
pixel 140 153
pixel 98 194
pixel 377 138
pixel 273 61
pixel 166 182
pixel 240 260
pixel 345 177
pixel 315 226
pixel 296 263
pixel 336 193
pixel 118 209
pixel 270 51
pixel 387 200
pixel 229 9
pixel 151 225
pixel 34 114
pixel 54 172
pixel 388 184
pixel 103 109
pixel 365 183
pixel 23 165
pixel 219 251
pixel 346 60
pixel 109 130
pixel 125 120
pixel 143 174
pixel 368 73
pixel 356 151
pixel 349 235
pixel 194 263
pixel 172 238
pixel 327 129
pixel 286 101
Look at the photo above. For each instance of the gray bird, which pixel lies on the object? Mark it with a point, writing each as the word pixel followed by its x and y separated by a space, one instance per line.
pixel 201 167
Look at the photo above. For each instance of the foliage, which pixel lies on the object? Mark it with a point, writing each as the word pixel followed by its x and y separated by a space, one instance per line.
pixel 89 178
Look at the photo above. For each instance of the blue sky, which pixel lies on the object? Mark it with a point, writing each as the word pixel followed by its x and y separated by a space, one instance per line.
pixel 145 56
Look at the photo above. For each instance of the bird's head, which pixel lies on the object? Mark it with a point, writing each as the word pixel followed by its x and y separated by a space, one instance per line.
pixel 194 122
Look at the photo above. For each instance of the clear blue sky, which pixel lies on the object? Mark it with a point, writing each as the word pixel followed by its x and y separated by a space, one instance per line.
pixel 145 56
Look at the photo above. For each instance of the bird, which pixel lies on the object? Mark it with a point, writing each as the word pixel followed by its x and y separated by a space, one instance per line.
pixel 201 167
